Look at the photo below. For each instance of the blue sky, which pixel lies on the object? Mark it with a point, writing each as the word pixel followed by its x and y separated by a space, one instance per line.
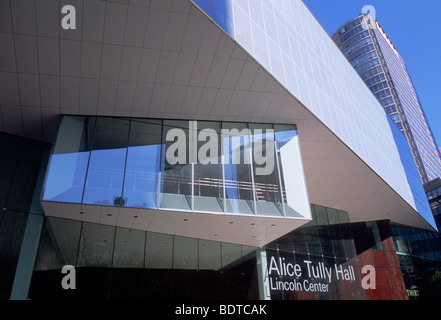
pixel 414 28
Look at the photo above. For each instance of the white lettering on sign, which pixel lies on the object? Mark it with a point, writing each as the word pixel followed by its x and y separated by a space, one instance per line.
pixel 286 276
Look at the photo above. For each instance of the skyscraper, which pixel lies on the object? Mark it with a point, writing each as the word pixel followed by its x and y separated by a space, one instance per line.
pixel 373 55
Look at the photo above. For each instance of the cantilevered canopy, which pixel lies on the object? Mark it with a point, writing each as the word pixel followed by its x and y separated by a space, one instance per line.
pixel 169 59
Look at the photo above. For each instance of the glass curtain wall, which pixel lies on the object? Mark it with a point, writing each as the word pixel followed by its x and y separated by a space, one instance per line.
pixel 68 163
pixel 268 182
pixel 176 171
pixel 114 263
pixel 204 166
pixel 142 166
pixel 105 175
pixel 20 163
pixel 208 171
pixel 237 151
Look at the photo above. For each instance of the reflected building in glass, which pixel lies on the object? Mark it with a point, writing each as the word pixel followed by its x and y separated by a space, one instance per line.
pixel 373 55
pixel 199 150
pixel 177 167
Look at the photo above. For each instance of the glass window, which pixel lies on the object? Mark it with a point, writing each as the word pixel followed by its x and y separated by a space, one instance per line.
pixel 208 182
pixel 209 255
pixel 59 244
pixel 159 251
pixel 68 163
pixel 242 28
pixel 290 165
pixel 185 253
pixel 129 248
pixel 94 261
pixel 268 196
pixel 21 189
pixel 204 166
pixel 260 45
pixel 236 149
pixel 12 230
pixel 321 216
pixel 185 266
pixel 231 277
pixel 128 263
pixel 58 247
pixel 270 23
pixel 326 240
pixel 374 235
pixel 7 168
pixel 332 216
pixel 343 217
pixel 158 264
pixel 276 61
pixel 96 245
pixel 107 161
pixel 256 13
pixel 176 170
pixel 209 265
pixel 142 168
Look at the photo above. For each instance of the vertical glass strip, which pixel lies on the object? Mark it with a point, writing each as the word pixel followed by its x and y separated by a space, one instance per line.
pixel 236 144
pixel 267 191
pixel 107 163
pixel 208 178
pixel 292 180
pixel 143 163
pixel 176 177
pixel 68 163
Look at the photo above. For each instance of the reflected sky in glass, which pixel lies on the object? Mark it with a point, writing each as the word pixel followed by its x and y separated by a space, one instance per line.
pixel 141 179
pixel 65 177
pixel 127 166
pixel 105 177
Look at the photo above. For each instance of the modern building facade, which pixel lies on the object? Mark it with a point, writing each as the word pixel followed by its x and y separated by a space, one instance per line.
pixel 373 55
pixel 433 192
pixel 196 150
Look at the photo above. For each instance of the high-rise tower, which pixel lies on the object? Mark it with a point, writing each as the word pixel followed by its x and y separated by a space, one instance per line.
pixel 377 61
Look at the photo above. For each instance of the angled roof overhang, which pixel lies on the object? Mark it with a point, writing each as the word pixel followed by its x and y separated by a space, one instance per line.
pixel 169 59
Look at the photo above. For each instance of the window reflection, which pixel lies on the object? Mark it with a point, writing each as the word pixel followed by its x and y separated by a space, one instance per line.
pixel 107 162
pixel 105 177
pixel 120 263
pixel 68 163
pixel 266 177
pixel 176 171
pixel 142 168
pixel 208 183
pixel 236 148
pixel 95 245
pixel 204 166
pixel 291 172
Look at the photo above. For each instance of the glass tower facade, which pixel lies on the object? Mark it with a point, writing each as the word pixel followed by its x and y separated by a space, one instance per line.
pixel 374 57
